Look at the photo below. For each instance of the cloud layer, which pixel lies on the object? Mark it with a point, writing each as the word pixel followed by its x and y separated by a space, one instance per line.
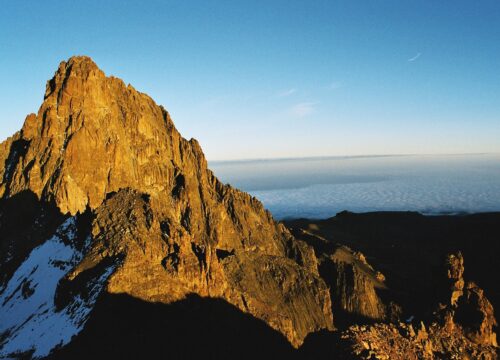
pixel 319 188
pixel 303 109
pixel 287 92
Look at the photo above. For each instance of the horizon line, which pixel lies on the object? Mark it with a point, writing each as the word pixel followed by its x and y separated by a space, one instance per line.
pixel 320 157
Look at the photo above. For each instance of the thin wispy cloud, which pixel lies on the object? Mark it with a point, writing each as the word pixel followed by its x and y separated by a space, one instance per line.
pixel 334 85
pixel 303 109
pixel 415 57
pixel 287 92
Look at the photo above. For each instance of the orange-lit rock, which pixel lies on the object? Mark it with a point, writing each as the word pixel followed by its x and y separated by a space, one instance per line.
pixel 100 146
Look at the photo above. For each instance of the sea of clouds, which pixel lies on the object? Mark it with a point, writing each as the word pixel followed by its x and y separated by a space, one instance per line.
pixel 322 187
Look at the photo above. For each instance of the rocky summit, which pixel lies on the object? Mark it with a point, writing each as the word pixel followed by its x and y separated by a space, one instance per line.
pixel 129 207
pixel 117 241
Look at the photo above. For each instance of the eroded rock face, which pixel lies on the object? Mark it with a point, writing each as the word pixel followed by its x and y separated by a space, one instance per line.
pixel 468 305
pixel 475 314
pixel 464 304
pixel 101 150
pixel 455 272
pixel 353 282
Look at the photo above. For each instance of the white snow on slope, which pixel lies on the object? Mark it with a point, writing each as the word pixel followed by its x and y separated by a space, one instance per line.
pixel 27 310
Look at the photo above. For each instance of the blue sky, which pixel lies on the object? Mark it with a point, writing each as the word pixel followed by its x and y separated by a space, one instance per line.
pixel 263 79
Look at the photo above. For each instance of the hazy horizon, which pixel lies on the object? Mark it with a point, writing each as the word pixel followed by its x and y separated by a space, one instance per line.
pixel 342 156
pixel 323 186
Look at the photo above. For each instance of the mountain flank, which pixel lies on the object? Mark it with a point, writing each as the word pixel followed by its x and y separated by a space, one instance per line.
pixel 158 222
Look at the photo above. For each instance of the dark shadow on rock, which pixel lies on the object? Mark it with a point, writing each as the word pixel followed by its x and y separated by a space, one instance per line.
pixel 324 345
pixel 123 327
pixel 25 223
pixel 409 248
pixel 342 318
pixel 18 149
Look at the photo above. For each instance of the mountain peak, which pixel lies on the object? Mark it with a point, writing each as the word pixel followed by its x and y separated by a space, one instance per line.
pixel 81 59
pixel 94 135
pixel 81 62
pixel 81 67
pixel 159 215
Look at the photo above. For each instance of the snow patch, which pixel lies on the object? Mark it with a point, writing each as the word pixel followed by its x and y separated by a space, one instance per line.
pixel 8 167
pixel 29 320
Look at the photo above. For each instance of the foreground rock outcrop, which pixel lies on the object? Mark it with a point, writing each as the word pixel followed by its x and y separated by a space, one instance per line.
pixel 462 327
pixel 407 341
pixel 149 219
pixel 467 305
pixel 450 317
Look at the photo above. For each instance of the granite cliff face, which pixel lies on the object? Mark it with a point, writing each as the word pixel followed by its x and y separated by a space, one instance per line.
pixel 148 218
pixel 354 284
